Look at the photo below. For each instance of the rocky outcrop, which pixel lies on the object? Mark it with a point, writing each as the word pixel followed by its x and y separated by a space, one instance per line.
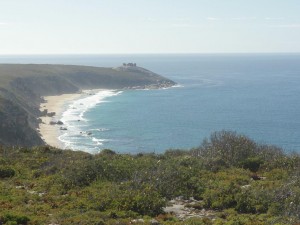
pixel 15 129
pixel 185 209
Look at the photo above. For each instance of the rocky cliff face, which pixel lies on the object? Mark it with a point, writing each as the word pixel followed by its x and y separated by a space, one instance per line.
pixel 21 88
pixel 15 129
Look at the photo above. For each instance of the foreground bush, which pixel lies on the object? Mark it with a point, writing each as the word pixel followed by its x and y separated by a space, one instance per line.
pixel 14 219
pixel 45 185
pixel 6 172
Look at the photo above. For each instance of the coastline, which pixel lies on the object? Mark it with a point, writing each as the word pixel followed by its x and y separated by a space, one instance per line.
pixel 59 104
pixel 63 105
pixel 50 133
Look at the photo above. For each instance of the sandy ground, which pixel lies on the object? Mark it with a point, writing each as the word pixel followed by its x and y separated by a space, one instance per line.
pixel 50 133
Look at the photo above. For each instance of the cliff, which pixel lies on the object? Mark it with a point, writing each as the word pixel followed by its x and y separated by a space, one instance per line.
pixel 22 87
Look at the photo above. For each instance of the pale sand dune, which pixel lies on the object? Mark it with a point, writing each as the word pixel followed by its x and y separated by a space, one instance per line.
pixel 50 133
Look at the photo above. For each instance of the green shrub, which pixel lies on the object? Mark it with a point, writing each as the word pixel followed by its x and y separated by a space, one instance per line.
pixel 252 164
pixel 144 200
pixel 14 219
pixel 6 172
pixel 276 209
pixel 107 152
pixel 228 148
pixel 221 195
pixel 245 204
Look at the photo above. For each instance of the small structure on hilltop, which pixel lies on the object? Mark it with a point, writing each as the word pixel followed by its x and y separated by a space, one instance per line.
pixel 129 64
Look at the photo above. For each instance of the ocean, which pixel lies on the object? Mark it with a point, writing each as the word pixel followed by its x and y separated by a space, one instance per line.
pixel 253 94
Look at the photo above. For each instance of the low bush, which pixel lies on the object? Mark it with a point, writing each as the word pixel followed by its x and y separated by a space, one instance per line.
pixel 7 172
pixel 14 219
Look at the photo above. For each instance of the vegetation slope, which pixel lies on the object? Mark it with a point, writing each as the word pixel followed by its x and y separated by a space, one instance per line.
pixel 241 181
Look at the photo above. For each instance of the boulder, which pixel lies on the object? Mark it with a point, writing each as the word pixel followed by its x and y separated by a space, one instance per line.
pixel 154 222
pixel 51 114
pixel 137 221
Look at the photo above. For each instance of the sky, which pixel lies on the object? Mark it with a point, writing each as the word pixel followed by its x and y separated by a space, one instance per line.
pixel 148 26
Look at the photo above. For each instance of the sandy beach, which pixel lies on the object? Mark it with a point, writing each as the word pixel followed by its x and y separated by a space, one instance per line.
pixel 50 133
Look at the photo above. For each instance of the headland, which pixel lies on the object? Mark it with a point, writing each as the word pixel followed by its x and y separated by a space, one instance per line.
pixel 24 87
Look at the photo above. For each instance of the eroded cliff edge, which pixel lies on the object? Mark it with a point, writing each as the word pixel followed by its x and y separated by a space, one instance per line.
pixel 23 85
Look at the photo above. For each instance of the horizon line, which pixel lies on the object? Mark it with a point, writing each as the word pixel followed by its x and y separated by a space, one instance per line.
pixel 166 53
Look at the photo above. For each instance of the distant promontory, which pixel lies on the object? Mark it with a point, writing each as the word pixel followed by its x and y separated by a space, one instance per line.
pixel 23 85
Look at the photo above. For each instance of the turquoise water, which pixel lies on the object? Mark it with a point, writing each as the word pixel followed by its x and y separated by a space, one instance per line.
pixel 254 94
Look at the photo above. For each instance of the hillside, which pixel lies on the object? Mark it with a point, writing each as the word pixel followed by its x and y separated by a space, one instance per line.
pixel 22 87
pixel 260 185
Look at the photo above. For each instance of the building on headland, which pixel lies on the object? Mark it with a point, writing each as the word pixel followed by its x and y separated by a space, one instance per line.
pixel 129 64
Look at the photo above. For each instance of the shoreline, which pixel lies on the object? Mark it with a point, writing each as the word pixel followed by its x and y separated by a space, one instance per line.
pixel 57 103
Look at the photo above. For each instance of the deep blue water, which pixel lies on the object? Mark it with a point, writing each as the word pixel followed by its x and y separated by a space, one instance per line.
pixel 254 94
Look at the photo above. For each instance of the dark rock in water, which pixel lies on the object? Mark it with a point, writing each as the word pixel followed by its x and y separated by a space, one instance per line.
pixel 51 114
pixel 89 133
pixel 54 122
pixel 63 128
pixel 78 120
pixel 44 112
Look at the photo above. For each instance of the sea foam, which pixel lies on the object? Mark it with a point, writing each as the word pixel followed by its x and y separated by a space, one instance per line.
pixel 75 121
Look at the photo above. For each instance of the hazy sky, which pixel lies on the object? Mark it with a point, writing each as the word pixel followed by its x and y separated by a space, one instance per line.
pixel 149 26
